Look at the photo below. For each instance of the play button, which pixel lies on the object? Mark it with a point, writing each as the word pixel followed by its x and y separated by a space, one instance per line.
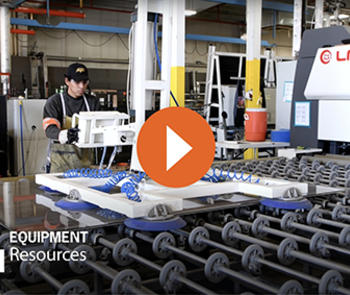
pixel 175 147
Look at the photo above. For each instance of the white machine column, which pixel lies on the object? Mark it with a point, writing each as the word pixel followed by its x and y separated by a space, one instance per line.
pixel 141 83
pixel 319 14
pixel 177 84
pixel 139 77
pixel 5 48
pixel 297 23
pixel 150 66
pixel 166 8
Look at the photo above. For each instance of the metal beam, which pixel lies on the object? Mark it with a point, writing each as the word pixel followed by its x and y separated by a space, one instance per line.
pixel 266 4
pixel 118 30
pixel 297 26
pixel 222 39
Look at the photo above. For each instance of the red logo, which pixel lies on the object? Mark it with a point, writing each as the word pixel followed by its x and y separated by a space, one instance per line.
pixel 326 57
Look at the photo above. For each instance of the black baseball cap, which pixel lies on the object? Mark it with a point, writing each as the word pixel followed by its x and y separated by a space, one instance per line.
pixel 77 72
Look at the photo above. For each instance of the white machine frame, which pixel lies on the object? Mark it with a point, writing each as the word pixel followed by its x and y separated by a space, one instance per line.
pixel 100 129
pixel 328 83
pixel 153 194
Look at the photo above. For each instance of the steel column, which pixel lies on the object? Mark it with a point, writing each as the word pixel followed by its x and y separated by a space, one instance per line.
pixel 297 24
pixel 5 48
pixel 319 14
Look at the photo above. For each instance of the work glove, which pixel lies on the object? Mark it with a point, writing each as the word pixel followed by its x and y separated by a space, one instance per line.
pixel 68 136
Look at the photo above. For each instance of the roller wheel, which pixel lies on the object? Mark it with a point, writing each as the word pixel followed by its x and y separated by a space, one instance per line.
pixel 74 287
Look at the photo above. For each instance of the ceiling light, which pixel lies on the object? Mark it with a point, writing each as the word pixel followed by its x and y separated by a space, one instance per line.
pixel 190 12
pixel 343 16
pixel 243 37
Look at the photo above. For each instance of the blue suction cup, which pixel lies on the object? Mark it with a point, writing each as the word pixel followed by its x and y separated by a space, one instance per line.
pixel 109 214
pixel 287 205
pixel 75 206
pixel 155 225
pixel 102 188
pixel 48 190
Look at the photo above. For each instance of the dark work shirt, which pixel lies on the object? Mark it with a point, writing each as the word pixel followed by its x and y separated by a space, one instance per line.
pixel 53 109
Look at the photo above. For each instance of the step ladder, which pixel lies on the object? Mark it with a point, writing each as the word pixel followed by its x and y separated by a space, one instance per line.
pixel 216 122
pixel 213 67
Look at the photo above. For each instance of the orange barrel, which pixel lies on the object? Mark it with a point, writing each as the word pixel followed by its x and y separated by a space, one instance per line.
pixel 255 124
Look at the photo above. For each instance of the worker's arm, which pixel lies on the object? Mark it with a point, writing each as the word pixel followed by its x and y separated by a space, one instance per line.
pixel 52 118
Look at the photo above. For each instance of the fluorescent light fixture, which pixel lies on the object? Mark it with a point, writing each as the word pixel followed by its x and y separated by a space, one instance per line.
pixel 343 16
pixel 190 12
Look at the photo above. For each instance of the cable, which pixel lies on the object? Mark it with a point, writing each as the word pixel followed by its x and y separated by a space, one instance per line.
pixel 200 54
pixel 103 157
pixel 194 49
pixel 21 127
pixel 156 40
pixel 120 38
pixel 111 159
pixel 157 53
pixel 93 45
pixel 53 37
pixel 88 173
pixel 227 174
pixel 129 184
pixel 33 158
pixel 28 151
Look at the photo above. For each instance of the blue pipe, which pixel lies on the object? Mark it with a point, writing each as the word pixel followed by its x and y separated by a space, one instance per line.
pixel 265 4
pixel 222 39
pixel 118 30
pixel 48 8
pixel 21 128
pixel 274 24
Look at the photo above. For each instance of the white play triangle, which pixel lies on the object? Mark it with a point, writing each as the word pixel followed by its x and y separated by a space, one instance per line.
pixel 176 148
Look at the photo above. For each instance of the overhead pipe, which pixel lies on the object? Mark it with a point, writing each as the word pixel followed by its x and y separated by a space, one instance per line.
pixel 51 12
pixel 221 39
pixel 118 30
pixel 85 7
pixel 24 32
pixel 70 26
pixel 274 5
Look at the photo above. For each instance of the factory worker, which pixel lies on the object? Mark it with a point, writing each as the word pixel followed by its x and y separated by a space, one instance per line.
pixel 57 122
